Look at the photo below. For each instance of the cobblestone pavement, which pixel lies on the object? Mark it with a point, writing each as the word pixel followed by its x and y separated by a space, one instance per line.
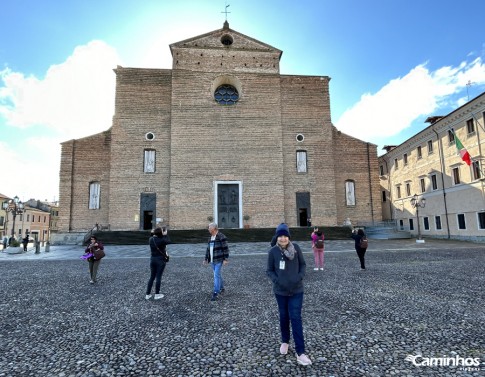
pixel 418 301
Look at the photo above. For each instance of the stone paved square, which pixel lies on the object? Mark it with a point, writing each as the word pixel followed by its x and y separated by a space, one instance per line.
pixel 426 302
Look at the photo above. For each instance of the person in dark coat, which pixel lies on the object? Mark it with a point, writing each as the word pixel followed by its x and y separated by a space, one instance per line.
pixel 357 235
pixel 158 247
pixel 25 242
pixel 93 263
pixel 286 269
pixel 217 254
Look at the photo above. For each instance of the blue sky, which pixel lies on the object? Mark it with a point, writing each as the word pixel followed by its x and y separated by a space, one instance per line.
pixel 392 64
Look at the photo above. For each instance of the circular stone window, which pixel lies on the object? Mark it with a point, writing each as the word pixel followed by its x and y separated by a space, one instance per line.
pixel 300 138
pixel 150 136
pixel 226 95
pixel 226 40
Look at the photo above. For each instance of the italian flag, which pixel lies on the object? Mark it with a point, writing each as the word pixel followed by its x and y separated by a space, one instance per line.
pixel 465 156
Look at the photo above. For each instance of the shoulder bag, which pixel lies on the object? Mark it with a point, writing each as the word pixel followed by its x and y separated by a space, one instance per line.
pixel 165 255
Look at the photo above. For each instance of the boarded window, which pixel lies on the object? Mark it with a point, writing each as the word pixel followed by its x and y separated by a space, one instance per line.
pixel 94 191
pixel 301 162
pixel 149 161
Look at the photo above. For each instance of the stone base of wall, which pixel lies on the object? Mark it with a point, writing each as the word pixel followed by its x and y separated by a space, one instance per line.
pixel 75 238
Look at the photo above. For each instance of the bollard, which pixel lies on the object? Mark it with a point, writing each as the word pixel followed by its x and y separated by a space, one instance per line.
pixel 47 247
pixel 37 247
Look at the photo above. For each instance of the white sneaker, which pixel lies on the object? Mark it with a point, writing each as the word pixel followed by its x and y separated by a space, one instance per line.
pixel 148 297
pixel 158 296
pixel 303 359
pixel 284 348
pixel 315 269
pixel 321 269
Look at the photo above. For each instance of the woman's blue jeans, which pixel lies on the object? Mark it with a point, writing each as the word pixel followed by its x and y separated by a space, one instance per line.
pixel 218 282
pixel 290 311
pixel 157 265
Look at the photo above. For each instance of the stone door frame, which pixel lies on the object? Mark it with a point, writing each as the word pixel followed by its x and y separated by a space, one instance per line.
pixel 216 199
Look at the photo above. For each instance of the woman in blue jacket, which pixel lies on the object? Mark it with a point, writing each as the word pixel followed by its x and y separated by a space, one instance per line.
pixel 286 269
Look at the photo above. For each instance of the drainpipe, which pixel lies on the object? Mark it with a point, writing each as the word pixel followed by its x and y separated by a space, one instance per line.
pixel 440 149
pixel 480 154
pixel 370 184
pixel 72 185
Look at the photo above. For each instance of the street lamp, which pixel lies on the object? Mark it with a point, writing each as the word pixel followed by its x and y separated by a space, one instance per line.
pixel 417 203
pixel 16 207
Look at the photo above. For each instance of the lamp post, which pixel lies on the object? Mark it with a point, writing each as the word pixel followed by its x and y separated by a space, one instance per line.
pixel 16 207
pixel 418 203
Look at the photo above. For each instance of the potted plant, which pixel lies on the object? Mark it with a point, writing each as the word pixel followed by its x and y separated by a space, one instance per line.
pixel 14 248
pixel 246 219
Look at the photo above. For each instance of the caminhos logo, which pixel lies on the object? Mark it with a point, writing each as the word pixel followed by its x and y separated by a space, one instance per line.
pixel 455 361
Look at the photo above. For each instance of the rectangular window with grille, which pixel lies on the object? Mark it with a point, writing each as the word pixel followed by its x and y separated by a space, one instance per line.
pixel 411 224
pixel 422 184
pixel 470 127
pixel 420 153
pixel 408 189
pixel 430 146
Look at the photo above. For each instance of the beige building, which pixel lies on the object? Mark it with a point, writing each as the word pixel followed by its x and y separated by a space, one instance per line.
pixel 221 135
pixel 3 217
pixel 428 165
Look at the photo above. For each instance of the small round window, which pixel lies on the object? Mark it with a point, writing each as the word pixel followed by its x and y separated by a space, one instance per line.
pixel 226 40
pixel 150 136
pixel 226 95
pixel 300 137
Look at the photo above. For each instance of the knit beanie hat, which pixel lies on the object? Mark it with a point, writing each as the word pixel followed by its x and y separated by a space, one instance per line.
pixel 282 230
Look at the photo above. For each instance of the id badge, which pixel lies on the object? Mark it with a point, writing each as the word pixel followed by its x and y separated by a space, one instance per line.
pixel 282 264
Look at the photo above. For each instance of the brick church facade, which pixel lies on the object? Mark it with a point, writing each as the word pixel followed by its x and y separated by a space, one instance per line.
pixel 224 135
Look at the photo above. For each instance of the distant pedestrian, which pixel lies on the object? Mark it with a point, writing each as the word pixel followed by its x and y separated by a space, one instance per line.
pixel 158 247
pixel 217 254
pixel 25 242
pixel 93 263
pixel 5 242
pixel 358 236
pixel 286 269
pixel 318 247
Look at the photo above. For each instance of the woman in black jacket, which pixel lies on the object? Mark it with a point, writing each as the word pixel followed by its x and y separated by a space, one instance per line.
pixel 286 269
pixel 158 247
pixel 358 235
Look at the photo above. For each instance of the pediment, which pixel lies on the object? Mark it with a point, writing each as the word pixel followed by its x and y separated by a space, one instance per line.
pixel 225 39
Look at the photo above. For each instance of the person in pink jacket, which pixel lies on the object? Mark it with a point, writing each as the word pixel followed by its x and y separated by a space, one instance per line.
pixel 318 248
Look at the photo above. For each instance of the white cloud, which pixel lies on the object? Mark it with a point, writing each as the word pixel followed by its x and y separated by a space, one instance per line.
pixel 403 100
pixel 75 98
pixel 32 170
